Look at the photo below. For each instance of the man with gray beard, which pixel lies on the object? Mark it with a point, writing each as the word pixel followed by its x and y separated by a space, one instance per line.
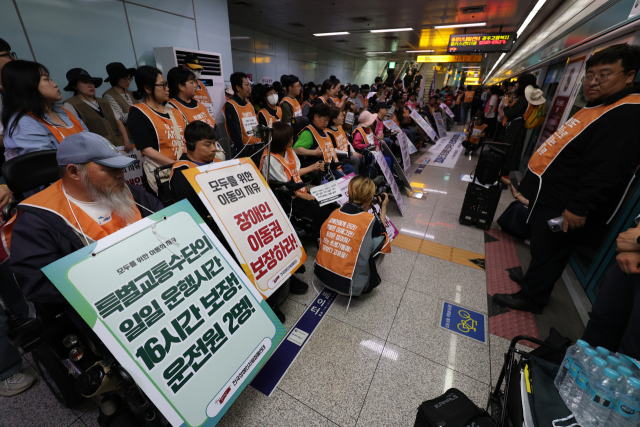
pixel 90 201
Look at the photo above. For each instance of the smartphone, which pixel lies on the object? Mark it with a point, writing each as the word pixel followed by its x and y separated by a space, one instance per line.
pixel 555 224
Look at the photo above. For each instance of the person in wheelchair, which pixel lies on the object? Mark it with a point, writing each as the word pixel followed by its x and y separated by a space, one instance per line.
pixel 314 142
pixel 91 200
pixel 271 113
pixel 475 135
pixel 340 139
pixel 365 139
pixel 347 265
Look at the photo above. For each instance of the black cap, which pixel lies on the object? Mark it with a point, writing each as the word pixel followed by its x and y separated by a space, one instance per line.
pixel 365 87
pixel 78 73
pixel 380 105
pixel 116 70
pixel 192 61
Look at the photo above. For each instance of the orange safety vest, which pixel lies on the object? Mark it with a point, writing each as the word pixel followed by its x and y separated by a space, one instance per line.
pixel 202 95
pixel 468 96
pixel 52 199
pixel 168 142
pixel 323 99
pixel 200 112
pixel 395 119
pixel 289 164
pixel 304 104
pixel 59 132
pixel 335 100
pixel 180 163
pixel 247 118
pixel 295 105
pixel 342 143
pixel 475 140
pixel 365 135
pixel 270 117
pixel 458 99
pixel 364 101
pixel 324 142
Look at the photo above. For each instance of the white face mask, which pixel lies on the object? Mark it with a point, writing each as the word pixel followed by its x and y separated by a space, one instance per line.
pixel 273 98
pixel 197 73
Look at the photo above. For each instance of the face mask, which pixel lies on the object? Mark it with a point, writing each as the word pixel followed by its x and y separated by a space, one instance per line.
pixel 197 73
pixel 273 99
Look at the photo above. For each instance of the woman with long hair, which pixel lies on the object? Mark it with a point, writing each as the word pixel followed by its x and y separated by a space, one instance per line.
pixel 325 93
pixel 31 120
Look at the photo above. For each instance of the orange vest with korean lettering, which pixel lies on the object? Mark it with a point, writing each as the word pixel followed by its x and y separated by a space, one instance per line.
pixel 244 116
pixel 168 142
pixel 364 135
pixel 289 164
pixel 325 144
pixel 475 140
pixel 270 117
pixel 200 112
pixel 468 96
pixel 53 200
pixel 295 105
pixel 59 132
pixel 549 150
pixel 342 143
pixel 202 95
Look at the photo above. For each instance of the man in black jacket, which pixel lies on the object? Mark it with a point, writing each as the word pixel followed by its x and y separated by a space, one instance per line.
pixel 579 175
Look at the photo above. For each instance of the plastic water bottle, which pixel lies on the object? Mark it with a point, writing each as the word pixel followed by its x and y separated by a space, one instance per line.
pixel 626 412
pixel 613 362
pixel 603 352
pixel 628 363
pixel 577 348
pixel 592 368
pixel 596 407
pixel 579 359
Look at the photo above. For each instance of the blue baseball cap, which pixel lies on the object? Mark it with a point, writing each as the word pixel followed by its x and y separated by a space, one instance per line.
pixel 86 147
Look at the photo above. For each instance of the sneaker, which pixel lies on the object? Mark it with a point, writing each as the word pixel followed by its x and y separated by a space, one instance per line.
pixel 16 384
pixel 297 286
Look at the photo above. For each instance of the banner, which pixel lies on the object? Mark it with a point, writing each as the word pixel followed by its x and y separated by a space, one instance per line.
pixel 392 126
pixel 432 88
pixel 133 173
pixel 181 317
pixel 326 193
pixel 251 219
pixel 446 108
pixel 426 127
pixel 403 142
pixel 445 152
pixel 442 130
pixel 395 190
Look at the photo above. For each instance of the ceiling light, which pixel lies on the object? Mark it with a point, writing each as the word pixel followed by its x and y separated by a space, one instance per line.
pixel 338 33
pixel 416 51
pixel 373 53
pixel 474 24
pixel 530 17
pixel 494 67
pixel 392 30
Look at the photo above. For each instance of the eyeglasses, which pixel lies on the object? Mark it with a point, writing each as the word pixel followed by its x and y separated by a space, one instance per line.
pixel 11 55
pixel 164 85
pixel 600 78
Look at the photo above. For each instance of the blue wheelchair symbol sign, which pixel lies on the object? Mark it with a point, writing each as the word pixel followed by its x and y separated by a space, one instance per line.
pixel 463 321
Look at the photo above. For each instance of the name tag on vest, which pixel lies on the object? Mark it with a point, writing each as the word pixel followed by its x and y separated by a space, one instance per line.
pixel 209 108
pixel 297 112
pixel 248 123
pixel 370 139
pixel 350 118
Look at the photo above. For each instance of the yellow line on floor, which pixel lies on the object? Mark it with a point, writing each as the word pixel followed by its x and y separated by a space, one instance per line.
pixel 438 250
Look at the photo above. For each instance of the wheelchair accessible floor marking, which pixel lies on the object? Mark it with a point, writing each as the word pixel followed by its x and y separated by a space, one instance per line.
pixel 281 360
pixel 463 321
pixel 437 250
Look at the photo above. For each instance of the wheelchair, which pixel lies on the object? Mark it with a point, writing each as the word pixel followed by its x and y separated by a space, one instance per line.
pixel 68 355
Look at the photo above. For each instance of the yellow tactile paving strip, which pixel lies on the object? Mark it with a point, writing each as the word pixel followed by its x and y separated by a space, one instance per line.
pixel 441 251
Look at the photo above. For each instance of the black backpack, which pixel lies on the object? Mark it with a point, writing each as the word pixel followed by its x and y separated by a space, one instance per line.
pixel 490 164
pixel 452 409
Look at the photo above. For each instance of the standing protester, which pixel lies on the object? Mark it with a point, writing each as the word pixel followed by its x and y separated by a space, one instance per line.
pixel 465 105
pixel 182 92
pixel 271 113
pixel 290 106
pixel 96 113
pixel 408 79
pixel 158 130
pixel 240 118
pixel 569 177
pixel 515 132
pixel 490 110
pixel 476 104
pixel 31 120
pixel 119 96
pixel 377 81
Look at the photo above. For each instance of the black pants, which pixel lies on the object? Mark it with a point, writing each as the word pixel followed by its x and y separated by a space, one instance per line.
pixel 550 253
pixel 615 318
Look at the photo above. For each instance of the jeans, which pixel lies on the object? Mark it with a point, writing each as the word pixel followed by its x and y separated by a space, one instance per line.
pixel 464 112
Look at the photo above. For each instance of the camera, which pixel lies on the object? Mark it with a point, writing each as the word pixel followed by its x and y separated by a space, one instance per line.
pixel 379 198
pixel 260 131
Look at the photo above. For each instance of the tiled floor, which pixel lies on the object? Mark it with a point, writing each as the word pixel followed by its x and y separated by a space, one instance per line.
pixel 374 365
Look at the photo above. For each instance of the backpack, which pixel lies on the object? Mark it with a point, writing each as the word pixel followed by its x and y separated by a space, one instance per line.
pixel 489 165
pixel 452 409
pixel 534 116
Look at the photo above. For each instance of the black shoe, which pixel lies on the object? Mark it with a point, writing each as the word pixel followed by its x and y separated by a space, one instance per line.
pixel 301 270
pixel 297 286
pixel 516 277
pixel 281 317
pixel 518 301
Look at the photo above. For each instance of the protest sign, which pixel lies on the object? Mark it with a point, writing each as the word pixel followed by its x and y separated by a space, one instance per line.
pixel 251 219
pixel 175 310
pixel 442 130
pixel 392 126
pixel 133 173
pixel 403 142
pixel 445 152
pixel 391 229
pixel 446 109
pixel 343 185
pixel 426 127
pixel 326 193
pixel 395 190
pixel 386 151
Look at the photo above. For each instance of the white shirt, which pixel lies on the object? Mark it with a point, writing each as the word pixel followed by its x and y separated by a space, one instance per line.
pixel 492 102
pixel 277 171
pixel 99 212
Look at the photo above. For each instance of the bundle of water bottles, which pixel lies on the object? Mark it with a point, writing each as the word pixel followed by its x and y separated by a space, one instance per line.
pixel 601 388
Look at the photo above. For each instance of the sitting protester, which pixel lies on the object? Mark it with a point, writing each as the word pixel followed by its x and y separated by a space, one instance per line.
pixel 364 135
pixel 271 113
pixel 183 88
pixel 202 149
pixel 315 141
pixel 347 265
pixel 90 201
pixel 475 135
pixel 340 139
pixel 290 106
pixel 119 96
pixel 31 120
pixel 309 97
pixel 96 113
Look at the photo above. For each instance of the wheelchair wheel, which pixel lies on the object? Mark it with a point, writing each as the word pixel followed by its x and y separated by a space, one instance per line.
pixel 56 376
